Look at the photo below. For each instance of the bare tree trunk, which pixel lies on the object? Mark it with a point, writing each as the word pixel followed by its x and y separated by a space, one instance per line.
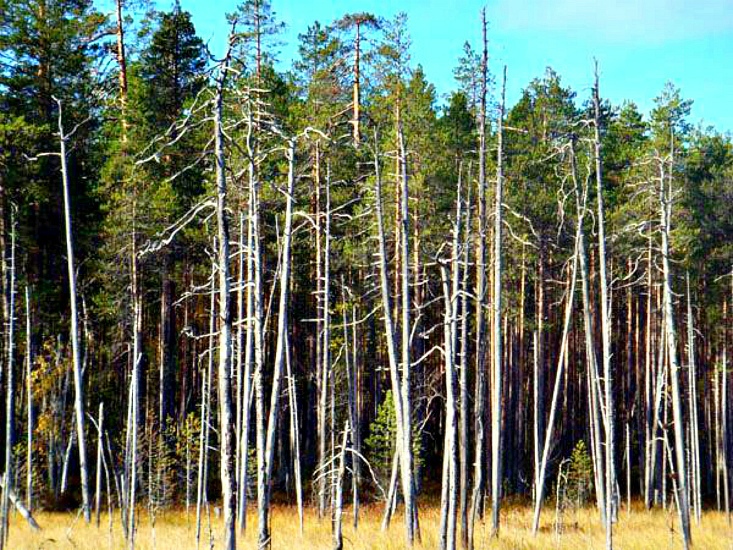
pixel 294 433
pixel 100 456
pixel 391 337
pixel 253 344
pixel 352 392
pixel 20 508
pixel 496 409
pixel 718 430
pixel 337 523
pixel 594 392
pixel 412 529
pixel 694 432
pixel 628 469
pixel 76 350
pixel 724 420
pixel 132 428
pixel 391 502
pixel 9 393
pixel 478 483
pixel 649 428
pixel 243 367
pixel 451 289
pixel 665 198
pixel 264 537
pixel 547 440
pixel 226 417
pixel 605 325
pixel 201 491
pixel 326 375
pixel 322 377
pixel 29 398
pixel 463 448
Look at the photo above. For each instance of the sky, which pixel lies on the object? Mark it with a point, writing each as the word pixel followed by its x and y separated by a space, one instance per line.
pixel 639 44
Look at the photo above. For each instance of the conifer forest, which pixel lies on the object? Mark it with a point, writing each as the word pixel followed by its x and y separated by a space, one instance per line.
pixel 243 297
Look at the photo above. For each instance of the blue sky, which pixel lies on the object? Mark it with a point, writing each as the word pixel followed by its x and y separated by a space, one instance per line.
pixel 640 44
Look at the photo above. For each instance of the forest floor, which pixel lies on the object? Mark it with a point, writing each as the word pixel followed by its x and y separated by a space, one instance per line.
pixel 175 530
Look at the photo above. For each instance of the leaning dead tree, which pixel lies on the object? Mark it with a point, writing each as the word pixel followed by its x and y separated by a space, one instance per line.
pixel 547 439
pixel 666 198
pixel 267 465
pixel 75 344
pixel 403 443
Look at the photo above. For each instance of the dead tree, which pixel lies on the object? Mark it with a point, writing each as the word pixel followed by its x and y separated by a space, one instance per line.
pixel 548 442
pixel 226 417
pixel 9 392
pixel 391 338
pixel 694 423
pixel 666 197
pixel 479 429
pixel 338 508
pixel 496 404
pixel 605 323
pixel 264 537
pixel 75 345
pixel 29 404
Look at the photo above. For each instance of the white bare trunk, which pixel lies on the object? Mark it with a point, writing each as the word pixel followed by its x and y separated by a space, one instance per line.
pixel 605 326
pixel 390 334
pixel 74 329
pixel 9 392
pixel 407 461
pixel 226 417
pixel 338 538
pixel 560 372
pixel 29 399
pixel 496 404
pixel 264 537
pixel 694 431
pixel 100 456
pixel 665 200
pixel 480 396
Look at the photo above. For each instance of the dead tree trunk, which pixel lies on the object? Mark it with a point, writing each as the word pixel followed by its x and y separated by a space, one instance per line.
pixel 100 456
pixel 605 325
pixel 226 417
pixel 29 405
pixel 479 411
pixel 594 393
pixel 390 334
pixel 496 404
pixel 463 448
pixel 9 392
pixel 412 529
pixel 547 439
pixel 76 348
pixel 694 432
pixel 337 523
pixel 264 537
pixel 665 204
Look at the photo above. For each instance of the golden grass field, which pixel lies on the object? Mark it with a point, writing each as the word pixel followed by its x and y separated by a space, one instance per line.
pixel 174 530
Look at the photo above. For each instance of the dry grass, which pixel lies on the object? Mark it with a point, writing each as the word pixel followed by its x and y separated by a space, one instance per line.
pixel 175 531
